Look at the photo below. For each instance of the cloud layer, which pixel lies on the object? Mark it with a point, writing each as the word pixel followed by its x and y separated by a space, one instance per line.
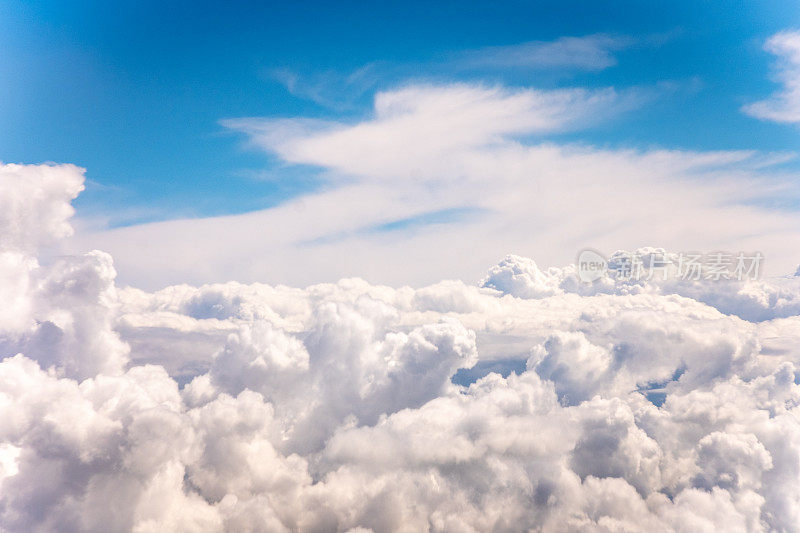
pixel 445 179
pixel 252 407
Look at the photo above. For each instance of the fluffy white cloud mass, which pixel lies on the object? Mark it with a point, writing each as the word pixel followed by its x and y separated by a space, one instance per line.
pixel 527 402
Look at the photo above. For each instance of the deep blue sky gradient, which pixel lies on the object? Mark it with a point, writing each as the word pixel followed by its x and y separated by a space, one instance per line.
pixel 134 92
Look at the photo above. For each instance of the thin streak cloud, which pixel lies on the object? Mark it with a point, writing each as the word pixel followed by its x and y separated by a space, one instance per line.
pixel 784 105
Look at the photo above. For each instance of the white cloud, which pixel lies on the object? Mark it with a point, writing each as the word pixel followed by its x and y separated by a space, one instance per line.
pixel 783 106
pixel 34 204
pixel 418 125
pixel 481 152
pixel 271 408
pixel 58 314
pixel 751 299
pixel 590 52
pixel 339 91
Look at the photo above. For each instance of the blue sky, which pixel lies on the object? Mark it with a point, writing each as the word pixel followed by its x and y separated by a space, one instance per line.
pixel 135 92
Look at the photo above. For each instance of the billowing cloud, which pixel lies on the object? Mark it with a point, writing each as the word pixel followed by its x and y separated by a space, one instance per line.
pixel 35 204
pixel 617 406
pixel 783 106
pixel 58 314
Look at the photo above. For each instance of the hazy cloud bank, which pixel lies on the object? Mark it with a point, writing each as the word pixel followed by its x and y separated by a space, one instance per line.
pixel 252 407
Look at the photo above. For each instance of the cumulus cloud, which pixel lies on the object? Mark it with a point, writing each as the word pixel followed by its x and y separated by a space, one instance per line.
pixel 784 105
pixel 753 299
pixel 59 314
pixel 250 407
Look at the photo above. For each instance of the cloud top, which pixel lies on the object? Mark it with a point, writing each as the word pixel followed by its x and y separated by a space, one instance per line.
pixel 251 407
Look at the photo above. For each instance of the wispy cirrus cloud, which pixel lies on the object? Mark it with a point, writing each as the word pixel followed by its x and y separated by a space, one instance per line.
pixel 419 125
pixel 340 90
pixel 330 88
pixel 392 181
pixel 590 52
pixel 784 105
